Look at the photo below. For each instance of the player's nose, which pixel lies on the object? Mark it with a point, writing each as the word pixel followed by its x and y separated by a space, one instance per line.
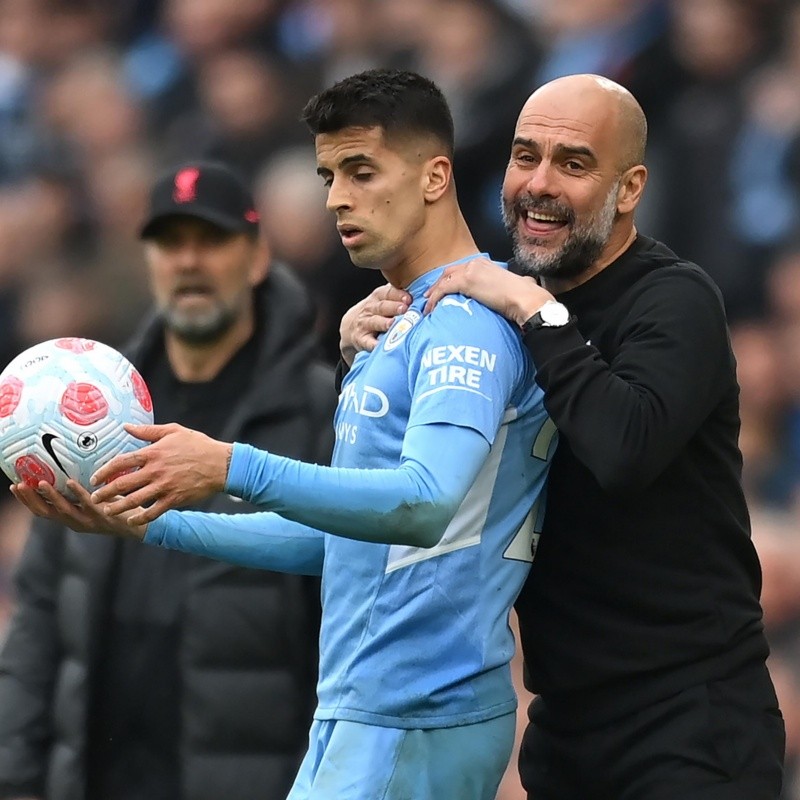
pixel 339 198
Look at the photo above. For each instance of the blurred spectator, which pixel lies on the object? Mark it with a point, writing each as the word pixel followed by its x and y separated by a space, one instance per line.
pixel 88 105
pixel 591 35
pixel 458 49
pixel 246 112
pixel 338 37
pixel 717 43
pixel 768 476
pixel 783 291
pixel 162 64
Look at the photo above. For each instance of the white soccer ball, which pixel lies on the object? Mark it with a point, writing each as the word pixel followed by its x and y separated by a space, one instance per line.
pixel 62 407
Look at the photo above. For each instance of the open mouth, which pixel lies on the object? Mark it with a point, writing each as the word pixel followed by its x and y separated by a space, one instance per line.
pixel 192 293
pixel 539 223
pixel 350 234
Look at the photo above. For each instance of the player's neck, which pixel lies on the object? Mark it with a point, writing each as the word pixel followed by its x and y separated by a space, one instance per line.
pixel 440 241
pixel 195 362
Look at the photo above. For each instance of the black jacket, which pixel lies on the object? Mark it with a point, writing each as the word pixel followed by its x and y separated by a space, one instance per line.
pixel 248 648
pixel 645 580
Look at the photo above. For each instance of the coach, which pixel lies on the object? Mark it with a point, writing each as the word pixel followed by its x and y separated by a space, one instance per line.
pixel 640 620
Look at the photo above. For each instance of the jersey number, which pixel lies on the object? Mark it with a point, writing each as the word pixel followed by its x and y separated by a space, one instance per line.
pixel 523 545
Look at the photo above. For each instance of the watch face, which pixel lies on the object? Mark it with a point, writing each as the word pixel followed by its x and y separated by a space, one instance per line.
pixel 554 313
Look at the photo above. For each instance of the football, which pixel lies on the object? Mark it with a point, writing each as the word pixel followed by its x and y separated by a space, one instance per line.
pixel 62 407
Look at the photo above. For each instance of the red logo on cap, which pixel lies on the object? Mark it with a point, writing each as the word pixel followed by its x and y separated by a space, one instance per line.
pixel 186 185
pixel 251 215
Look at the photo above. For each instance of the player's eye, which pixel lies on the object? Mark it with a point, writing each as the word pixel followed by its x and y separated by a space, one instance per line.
pixel 364 176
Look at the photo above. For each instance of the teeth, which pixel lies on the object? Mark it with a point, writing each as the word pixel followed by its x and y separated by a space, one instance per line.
pixel 542 217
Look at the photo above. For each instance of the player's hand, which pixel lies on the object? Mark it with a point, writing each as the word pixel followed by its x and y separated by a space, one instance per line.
pixel 516 297
pixel 180 468
pixel 82 515
pixel 370 317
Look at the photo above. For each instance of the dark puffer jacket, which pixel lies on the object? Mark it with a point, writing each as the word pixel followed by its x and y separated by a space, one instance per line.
pixel 248 647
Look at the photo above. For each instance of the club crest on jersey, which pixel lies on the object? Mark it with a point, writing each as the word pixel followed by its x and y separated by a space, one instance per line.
pixel 401 329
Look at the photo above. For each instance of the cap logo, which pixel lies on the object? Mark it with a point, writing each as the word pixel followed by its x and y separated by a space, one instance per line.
pixel 251 215
pixel 186 185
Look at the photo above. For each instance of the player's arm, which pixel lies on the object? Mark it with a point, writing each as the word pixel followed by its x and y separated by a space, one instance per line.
pixel 262 540
pixel 411 504
pixel 406 505
pixel 254 540
pixel 455 415
pixel 449 433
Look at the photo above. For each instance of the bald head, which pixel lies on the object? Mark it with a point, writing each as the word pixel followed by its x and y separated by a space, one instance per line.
pixel 592 102
pixel 574 178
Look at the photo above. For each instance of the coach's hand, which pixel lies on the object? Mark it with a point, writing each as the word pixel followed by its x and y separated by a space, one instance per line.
pixel 180 468
pixel 82 515
pixel 516 297
pixel 370 317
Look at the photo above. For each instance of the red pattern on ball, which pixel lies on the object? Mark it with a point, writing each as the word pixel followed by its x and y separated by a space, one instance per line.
pixel 10 394
pixel 141 392
pixel 75 345
pixel 83 404
pixel 32 470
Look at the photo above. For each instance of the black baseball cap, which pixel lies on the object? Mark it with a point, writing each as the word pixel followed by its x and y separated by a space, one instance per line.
pixel 207 190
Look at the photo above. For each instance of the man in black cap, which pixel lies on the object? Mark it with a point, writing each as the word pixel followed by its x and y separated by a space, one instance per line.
pixel 133 673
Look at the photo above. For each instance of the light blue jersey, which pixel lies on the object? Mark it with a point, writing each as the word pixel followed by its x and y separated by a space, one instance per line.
pixel 419 637
pixel 442 421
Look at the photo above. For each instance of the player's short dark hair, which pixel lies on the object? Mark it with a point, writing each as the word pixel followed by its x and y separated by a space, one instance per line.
pixel 398 101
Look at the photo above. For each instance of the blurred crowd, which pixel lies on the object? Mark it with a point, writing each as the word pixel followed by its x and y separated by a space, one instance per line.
pixel 98 96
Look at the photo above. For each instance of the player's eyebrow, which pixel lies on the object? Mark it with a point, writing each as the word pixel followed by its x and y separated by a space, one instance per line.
pixel 356 158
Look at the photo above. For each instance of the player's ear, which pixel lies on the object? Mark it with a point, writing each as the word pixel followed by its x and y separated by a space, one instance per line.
pixel 437 176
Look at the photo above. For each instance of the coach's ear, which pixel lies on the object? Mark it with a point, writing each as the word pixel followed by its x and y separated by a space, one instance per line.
pixel 631 188
pixel 260 262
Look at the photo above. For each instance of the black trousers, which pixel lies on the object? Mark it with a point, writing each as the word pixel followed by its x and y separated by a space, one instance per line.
pixel 722 740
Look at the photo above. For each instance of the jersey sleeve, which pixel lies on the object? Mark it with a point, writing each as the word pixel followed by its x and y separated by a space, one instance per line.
pixel 465 364
pixel 261 540
pixel 409 504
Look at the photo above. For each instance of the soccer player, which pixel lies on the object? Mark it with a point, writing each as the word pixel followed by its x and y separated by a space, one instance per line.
pixel 442 449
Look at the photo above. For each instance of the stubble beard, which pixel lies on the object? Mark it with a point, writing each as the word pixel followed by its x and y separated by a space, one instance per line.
pixel 583 246
pixel 199 328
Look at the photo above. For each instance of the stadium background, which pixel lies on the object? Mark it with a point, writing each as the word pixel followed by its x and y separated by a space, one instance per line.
pixel 97 96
